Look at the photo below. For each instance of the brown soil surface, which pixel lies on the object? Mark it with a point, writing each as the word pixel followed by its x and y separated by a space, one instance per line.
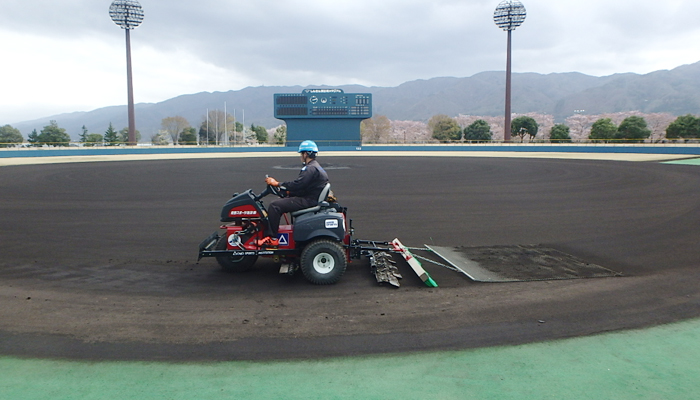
pixel 521 263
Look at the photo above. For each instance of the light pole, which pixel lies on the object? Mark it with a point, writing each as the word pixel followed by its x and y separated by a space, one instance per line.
pixel 509 15
pixel 128 14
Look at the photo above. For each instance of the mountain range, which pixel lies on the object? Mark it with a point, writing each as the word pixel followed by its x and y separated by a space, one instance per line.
pixel 675 91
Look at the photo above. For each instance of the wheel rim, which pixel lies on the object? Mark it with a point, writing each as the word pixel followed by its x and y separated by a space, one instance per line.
pixel 323 263
pixel 235 241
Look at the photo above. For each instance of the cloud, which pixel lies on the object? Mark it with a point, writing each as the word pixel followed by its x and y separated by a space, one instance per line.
pixel 68 55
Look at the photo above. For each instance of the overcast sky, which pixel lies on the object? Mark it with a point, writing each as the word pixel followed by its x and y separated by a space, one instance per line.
pixel 67 55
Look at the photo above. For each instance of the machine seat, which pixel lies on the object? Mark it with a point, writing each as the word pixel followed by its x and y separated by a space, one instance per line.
pixel 321 199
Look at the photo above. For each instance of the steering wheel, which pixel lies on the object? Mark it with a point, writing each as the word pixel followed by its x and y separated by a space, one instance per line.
pixel 275 190
pixel 270 190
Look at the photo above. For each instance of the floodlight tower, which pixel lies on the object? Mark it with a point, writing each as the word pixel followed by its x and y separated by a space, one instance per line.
pixel 128 14
pixel 509 15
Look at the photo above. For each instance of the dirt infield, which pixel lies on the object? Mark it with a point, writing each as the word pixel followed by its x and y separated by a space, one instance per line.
pixel 99 259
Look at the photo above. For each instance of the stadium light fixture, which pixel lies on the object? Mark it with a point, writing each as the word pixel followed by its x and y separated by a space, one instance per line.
pixel 128 14
pixel 509 15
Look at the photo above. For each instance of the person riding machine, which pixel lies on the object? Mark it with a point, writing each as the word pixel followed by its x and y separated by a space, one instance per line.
pixel 314 238
pixel 301 193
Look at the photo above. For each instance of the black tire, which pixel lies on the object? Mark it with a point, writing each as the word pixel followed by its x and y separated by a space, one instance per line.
pixel 230 263
pixel 323 262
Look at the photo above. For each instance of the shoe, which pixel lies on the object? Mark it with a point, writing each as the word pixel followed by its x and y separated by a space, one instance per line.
pixel 268 241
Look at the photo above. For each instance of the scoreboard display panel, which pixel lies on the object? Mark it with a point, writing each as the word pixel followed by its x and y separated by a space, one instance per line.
pixel 330 117
pixel 323 103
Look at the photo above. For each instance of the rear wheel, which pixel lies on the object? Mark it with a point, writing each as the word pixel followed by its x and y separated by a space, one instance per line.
pixel 231 263
pixel 323 262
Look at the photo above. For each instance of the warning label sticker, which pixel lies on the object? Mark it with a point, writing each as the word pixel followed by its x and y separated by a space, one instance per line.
pixel 283 239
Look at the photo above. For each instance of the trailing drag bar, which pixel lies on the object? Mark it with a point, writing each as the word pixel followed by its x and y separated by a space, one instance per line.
pixel 382 271
pixel 384 268
pixel 414 263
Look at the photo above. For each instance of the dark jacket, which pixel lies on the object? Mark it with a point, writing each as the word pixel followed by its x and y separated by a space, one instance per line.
pixel 311 180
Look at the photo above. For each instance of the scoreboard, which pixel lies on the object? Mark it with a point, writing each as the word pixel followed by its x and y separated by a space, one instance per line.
pixel 323 103
pixel 330 117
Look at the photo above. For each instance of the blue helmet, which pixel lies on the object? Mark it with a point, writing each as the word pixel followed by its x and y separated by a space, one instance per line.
pixel 308 146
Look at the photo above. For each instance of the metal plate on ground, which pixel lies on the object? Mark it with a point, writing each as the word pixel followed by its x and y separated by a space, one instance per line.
pixel 518 263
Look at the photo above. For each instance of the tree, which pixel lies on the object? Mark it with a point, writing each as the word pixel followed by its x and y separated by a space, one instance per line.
pixel 522 126
pixel 33 138
pixel 83 136
pixel 174 127
pixel 375 129
pixel 124 135
pixel 205 136
pixel 444 128
pixel 603 129
pixel 478 131
pixel 53 135
pixel 260 133
pixel 111 137
pixel 560 134
pixel 411 131
pixel 658 122
pixel 216 126
pixel 239 134
pixel 685 126
pixel 93 139
pixel 10 136
pixel 160 139
pixel 579 126
pixel 633 129
pixel 281 134
pixel 188 137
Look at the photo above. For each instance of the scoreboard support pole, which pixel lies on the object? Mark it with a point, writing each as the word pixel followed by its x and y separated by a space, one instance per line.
pixel 335 132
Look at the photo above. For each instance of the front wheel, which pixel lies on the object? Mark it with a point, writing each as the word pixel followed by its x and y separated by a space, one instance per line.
pixel 323 262
pixel 231 263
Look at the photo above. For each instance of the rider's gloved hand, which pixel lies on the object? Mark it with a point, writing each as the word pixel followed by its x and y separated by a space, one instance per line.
pixel 271 181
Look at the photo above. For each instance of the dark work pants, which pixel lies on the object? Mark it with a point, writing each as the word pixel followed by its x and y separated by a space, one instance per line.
pixel 278 207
